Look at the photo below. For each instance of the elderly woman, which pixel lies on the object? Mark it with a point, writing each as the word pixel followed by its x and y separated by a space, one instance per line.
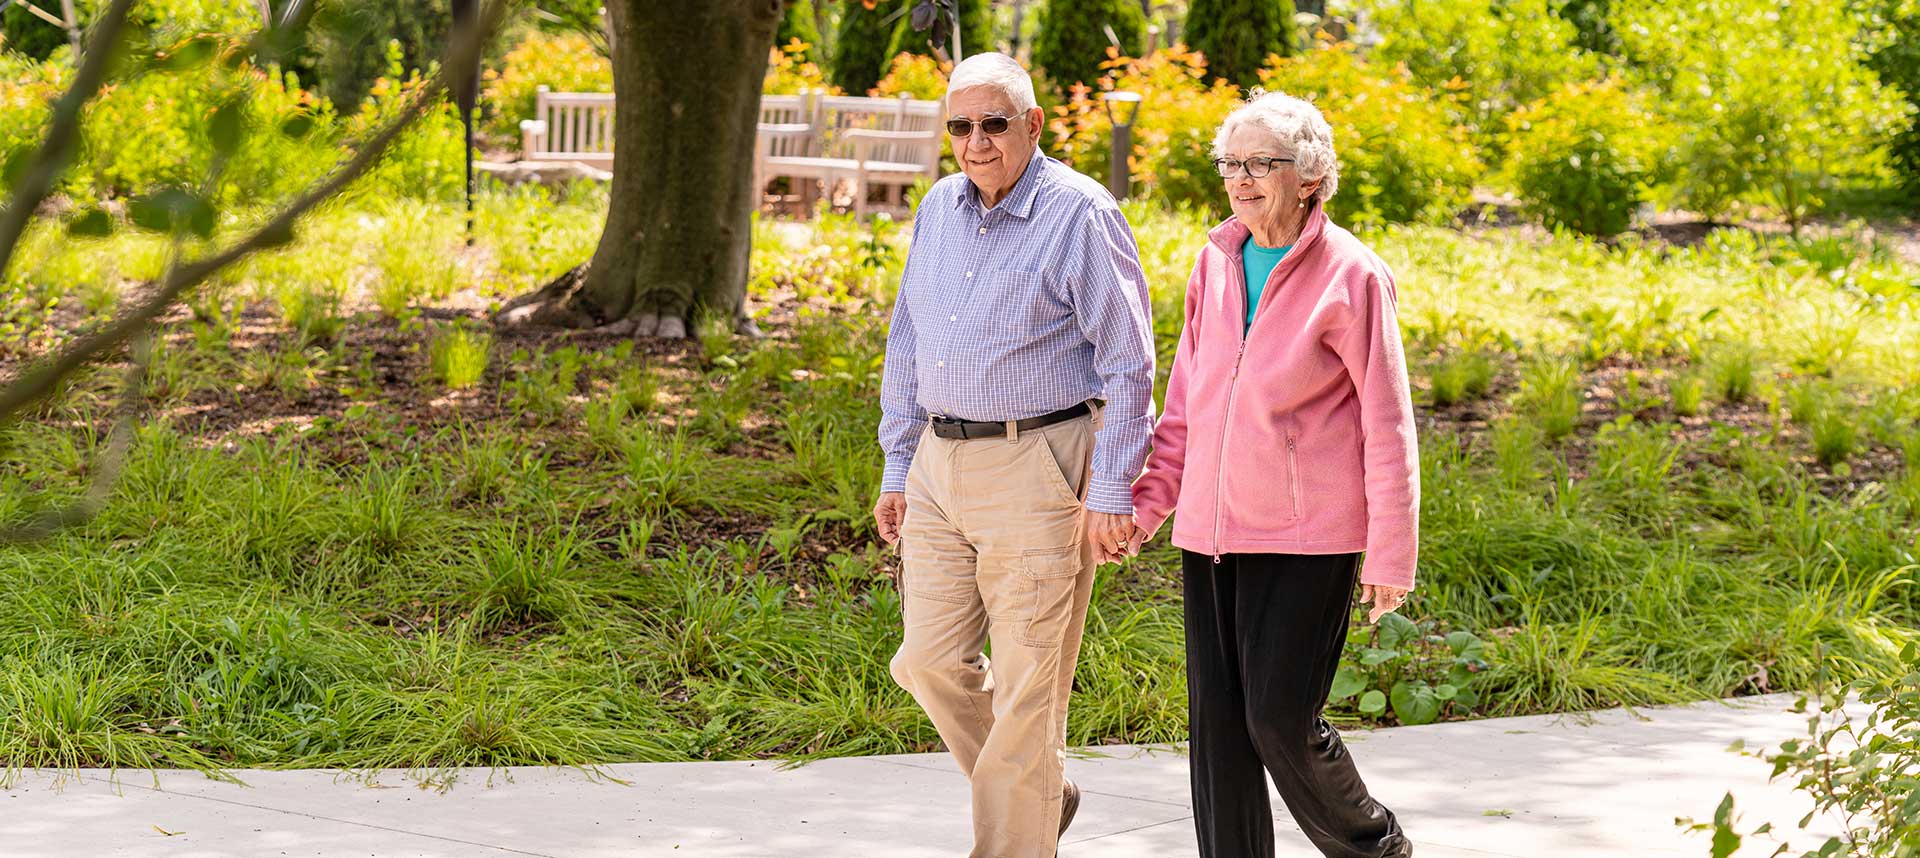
pixel 1287 447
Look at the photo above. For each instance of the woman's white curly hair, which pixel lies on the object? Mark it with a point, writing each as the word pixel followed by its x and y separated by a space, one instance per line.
pixel 1299 131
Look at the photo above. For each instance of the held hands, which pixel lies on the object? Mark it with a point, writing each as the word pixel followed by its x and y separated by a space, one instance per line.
pixel 1385 600
pixel 1111 535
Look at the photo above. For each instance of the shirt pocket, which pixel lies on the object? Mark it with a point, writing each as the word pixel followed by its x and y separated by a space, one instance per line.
pixel 1015 307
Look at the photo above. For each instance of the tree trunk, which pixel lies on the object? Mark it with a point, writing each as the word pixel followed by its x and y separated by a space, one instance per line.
pixel 687 74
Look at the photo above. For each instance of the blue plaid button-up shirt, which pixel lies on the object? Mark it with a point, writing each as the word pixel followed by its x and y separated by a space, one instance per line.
pixel 1032 306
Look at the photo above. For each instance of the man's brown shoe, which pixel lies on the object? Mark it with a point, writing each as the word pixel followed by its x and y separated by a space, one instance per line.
pixel 1069 804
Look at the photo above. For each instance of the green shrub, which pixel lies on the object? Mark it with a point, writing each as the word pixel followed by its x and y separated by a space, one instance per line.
pixel 860 47
pixel 1492 55
pixel 915 76
pixel 1237 36
pixel 1070 40
pixel 428 161
pixel 457 356
pixel 1893 32
pixel 1172 158
pixel 1771 101
pixel 1584 157
pixel 976 33
pixel 566 62
pixel 789 72
pixel 1401 158
pixel 799 24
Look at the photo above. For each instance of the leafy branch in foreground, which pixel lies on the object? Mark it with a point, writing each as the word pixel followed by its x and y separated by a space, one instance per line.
pixel 42 377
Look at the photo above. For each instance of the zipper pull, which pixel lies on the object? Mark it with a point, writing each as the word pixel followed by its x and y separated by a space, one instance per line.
pixel 1216 559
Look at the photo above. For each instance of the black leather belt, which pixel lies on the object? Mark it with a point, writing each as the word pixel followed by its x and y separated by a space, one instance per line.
pixel 961 430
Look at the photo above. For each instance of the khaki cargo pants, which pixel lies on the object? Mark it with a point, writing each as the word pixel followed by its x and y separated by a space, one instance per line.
pixel 993 549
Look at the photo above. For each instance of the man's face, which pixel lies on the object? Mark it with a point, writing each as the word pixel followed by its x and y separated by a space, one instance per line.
pixel 993 161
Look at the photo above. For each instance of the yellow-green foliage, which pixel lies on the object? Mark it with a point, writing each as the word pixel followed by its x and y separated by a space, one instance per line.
pixel 1585 156
pixel 1402 159
pixel 562 63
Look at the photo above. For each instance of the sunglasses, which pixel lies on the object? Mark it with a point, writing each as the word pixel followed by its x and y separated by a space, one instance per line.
pixel 993 125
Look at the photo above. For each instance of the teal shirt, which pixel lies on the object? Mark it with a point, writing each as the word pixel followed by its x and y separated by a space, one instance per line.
pixel 1258 262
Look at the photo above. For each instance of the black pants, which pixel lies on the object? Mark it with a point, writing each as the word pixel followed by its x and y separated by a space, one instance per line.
pixel 1264 634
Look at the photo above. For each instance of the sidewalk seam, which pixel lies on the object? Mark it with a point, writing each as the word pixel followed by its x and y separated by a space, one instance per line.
pixel 340 821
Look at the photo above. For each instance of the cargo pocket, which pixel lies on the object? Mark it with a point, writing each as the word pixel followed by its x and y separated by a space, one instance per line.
pixel 1050 577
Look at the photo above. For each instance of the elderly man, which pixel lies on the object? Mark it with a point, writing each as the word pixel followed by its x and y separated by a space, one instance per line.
pixel 1017 406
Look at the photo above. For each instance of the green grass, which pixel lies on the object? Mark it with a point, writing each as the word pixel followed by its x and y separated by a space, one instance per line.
pixel 618 553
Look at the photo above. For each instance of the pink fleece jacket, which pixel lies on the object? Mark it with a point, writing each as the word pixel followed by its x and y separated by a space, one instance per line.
pixel 1296 436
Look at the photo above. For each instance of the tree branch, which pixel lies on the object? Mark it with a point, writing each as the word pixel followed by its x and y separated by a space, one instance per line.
pixel 37 380
pixel 63 131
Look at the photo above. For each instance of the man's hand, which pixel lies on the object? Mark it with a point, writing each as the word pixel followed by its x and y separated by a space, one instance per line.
pixel 888 513
pixel 1111 535
pixel 1385 600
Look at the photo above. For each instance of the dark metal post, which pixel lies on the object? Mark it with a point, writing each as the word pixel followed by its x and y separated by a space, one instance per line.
pixel 1119 178
pixel 466 95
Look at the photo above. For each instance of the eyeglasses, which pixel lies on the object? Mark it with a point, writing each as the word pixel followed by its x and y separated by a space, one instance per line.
pixel 993 125
pixel 1256 166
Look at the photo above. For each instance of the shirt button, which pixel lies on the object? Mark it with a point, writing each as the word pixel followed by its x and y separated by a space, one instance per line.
pixel 953 318
pixel 969 275
pixel 941 364
pixel 983 230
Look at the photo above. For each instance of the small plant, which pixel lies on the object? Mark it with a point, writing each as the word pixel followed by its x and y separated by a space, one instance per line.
pixel 1734 372
pixel 1397 664
pixel 1462 376
pixel 457 356
pixel 546 387
pixel 1865 771
pixel 1550 393
pixel 1687 391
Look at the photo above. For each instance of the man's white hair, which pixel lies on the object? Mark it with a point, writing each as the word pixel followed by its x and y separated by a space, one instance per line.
pixel 999 72
pixel 1298 128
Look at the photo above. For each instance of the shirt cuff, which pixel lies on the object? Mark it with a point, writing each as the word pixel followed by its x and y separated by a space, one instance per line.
pixel 894 479
pixel 1110 495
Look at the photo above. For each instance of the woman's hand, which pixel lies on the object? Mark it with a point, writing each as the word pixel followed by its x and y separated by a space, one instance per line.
pixel 1136 539
pixel 1385 600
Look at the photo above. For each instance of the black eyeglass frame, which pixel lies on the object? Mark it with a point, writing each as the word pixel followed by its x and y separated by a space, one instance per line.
pixel 1229 167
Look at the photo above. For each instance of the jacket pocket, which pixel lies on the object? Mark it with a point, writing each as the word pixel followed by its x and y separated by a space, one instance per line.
pixel 1293 472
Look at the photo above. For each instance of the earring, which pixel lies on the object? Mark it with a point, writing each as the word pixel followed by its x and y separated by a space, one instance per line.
pixel 1303 204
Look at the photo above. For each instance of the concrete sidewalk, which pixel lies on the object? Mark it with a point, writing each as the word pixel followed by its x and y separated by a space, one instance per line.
pixel 1540 787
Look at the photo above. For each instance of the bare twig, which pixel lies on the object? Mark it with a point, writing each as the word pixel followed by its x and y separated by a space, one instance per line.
pixel 63 130
pixel 42 377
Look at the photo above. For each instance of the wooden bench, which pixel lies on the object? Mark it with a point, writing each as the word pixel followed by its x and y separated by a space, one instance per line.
pixel 876 144
pixel 569 126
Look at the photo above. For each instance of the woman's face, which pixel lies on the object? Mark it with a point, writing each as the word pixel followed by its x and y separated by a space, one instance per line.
pixel 1269 199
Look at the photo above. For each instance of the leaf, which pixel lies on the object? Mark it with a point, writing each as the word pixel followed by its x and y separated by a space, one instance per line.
pixel 1373 657
pixel 1373 702
pixel 189 54
pixel 1415 703
pixel 1346 683
pixel 94 223
pixel 297 125
pixel 172 210
pixel 227 126
pixel 1501 812
pixel 1446 691
pixel 1395 630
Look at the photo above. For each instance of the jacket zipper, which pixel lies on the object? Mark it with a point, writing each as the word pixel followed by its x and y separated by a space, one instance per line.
pixel 1293 476
pixel 1237 270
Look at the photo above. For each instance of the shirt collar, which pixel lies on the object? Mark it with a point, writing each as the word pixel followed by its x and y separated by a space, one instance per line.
pixel 1019 200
